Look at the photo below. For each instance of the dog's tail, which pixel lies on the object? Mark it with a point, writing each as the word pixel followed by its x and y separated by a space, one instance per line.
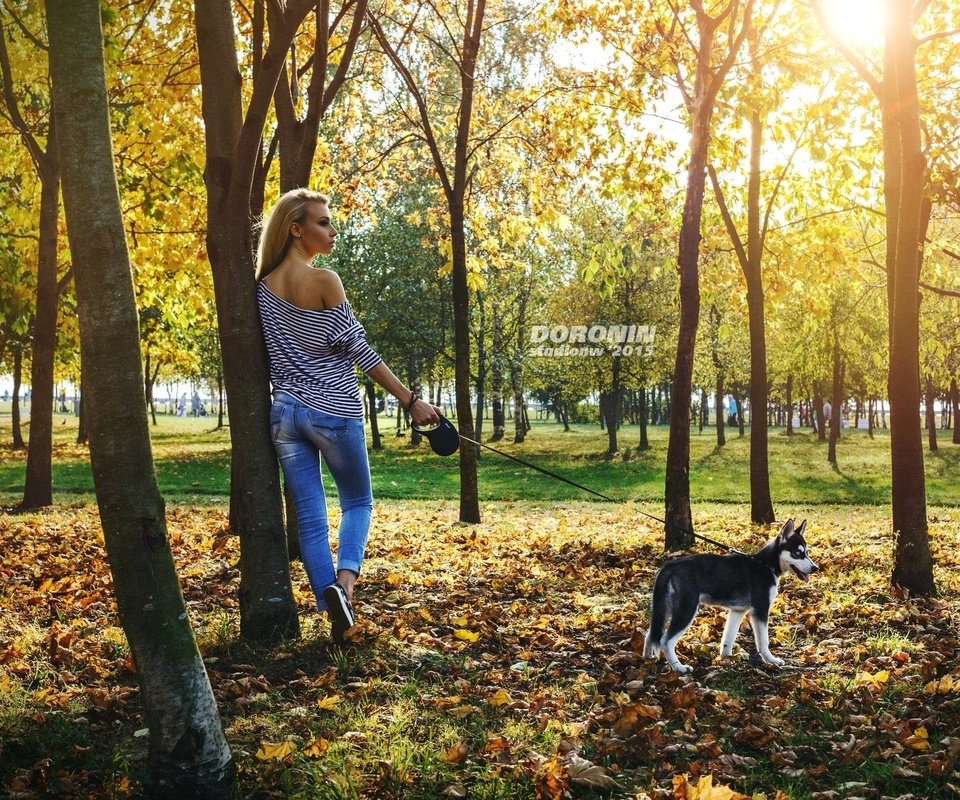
pixel 658 616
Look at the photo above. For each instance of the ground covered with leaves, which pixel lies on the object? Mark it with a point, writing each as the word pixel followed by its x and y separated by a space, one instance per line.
pixel 501 660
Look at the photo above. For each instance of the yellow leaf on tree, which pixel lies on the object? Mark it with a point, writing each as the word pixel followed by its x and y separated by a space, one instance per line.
pixel 279 750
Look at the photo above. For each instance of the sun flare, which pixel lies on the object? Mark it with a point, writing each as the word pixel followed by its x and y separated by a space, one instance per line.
pixel 856 22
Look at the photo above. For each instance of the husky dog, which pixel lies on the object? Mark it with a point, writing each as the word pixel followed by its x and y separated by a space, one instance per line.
pixel 738 582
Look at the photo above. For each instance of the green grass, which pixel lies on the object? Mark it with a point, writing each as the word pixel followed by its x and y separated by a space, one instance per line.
pixel 193 466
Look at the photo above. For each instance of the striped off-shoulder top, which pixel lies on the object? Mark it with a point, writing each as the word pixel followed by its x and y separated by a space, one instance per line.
pixel 313 352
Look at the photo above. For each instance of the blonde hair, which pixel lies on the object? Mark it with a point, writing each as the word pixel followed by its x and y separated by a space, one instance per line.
pixel 275 235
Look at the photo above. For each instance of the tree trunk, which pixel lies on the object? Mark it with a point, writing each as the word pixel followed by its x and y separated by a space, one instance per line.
pixel 610 407
pixel 721 435
pixel 931 415
pixel 496 380
pixel 298 137
pixel 519 415
pixel 293 525
pixel 835 414
pixel 267 608
pixel 678 518
pixel 818 412
pixel 741 410
pixel 955 401
pixel 83 435
pixel 480 384
pixel 375 438
pixel 904 179
pixel 17 442
pixel 643 414
pixel 469 495
pixel 188 753
pixel 790 404
pixel 38 485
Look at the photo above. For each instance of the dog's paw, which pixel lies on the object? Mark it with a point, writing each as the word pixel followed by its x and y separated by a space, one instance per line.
pixel 773 661
pixel 681 669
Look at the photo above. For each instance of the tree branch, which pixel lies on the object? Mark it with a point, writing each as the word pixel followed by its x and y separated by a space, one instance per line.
pixel 938 290
pixel 418 98
pixel 872 81
pixel 728 220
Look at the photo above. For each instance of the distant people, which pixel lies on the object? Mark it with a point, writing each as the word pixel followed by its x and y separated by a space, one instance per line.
pixel 314 343
pixel 182 405
pixel 195 404
pixel 732 412
pixel 827 413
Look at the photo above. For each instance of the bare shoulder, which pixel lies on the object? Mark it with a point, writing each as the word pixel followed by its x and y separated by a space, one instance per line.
pixel 330 287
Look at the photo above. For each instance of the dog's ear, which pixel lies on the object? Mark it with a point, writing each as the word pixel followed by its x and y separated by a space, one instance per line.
pixel 802 528
pixel 787 528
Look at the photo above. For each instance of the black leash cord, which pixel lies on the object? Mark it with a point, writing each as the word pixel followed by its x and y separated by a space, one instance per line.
pixel 707 539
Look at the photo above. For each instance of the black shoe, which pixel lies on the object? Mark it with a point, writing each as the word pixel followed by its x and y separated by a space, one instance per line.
pixel 341 614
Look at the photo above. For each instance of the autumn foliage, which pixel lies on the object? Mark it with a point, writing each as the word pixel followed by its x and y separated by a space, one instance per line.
pixel 497 660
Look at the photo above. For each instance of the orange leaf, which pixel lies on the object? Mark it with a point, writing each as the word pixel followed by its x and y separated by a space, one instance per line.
pixel 316 748
pixel 456 754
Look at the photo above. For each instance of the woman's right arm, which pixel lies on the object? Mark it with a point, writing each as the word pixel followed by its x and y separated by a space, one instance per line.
pixel 421 412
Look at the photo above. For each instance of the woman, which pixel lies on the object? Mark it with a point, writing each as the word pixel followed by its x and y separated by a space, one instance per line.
pixel 314 342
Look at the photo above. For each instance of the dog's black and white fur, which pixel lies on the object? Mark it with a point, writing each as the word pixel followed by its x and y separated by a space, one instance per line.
pixel 738 582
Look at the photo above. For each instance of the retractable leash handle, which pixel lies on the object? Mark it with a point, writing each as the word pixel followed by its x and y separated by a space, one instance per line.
pixel 445 439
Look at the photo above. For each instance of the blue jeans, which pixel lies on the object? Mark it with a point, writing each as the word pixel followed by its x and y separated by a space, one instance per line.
pixel 301 437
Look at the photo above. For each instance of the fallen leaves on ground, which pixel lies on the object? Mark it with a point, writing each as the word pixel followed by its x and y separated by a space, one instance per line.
pixel 505 655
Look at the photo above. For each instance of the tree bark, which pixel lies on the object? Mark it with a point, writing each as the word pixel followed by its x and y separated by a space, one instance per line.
pixel 931 415
pixel 818 412
pixel 267 608
pixel 610 408
pixel 38 482
pixel 721 434
pixel 955 401
pixel 790 404
pixel 17 441
pixel 835 414
pixel 376 440
pixel 519 416
pixel 679 520
pixel 38 485
pixel 904 180
pixel 298 137
pixel 761 504
pixel 643 415
pixel 188 754
pixel 497 379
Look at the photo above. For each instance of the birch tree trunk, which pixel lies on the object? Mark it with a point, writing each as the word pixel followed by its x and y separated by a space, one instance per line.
pixel 188 754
